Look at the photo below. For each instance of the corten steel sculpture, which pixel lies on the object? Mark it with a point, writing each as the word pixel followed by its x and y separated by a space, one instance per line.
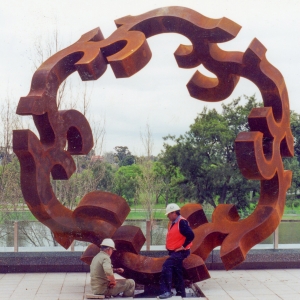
pixel 100 214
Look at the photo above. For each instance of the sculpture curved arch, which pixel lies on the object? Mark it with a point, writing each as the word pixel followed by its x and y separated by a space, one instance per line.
pixel 100 214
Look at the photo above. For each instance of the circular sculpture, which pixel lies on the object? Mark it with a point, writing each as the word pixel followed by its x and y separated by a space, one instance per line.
pixel 100 214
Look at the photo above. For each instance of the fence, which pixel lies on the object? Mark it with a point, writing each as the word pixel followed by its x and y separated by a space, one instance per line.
pixel 148 237
pixel 72 247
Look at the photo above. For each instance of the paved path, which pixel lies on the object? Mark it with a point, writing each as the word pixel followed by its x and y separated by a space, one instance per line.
pixel 237 285
pixel 252 284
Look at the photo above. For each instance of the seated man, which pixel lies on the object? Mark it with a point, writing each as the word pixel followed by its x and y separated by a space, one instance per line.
pixel 103 281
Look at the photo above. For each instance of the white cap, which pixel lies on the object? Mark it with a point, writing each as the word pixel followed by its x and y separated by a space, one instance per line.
pixel 109 243
pixel 171 207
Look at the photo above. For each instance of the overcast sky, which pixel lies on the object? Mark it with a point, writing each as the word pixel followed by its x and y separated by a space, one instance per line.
pixel 157 95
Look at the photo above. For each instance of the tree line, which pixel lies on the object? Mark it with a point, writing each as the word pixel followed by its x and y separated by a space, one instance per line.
pixel 198 166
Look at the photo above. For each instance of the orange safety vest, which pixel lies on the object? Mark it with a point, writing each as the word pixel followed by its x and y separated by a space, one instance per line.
pixel 174 238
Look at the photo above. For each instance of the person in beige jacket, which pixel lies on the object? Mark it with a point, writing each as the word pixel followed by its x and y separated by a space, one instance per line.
pixel 103 281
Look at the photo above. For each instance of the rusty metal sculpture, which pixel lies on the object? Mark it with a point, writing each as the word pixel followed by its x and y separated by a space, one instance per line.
pixel 101 214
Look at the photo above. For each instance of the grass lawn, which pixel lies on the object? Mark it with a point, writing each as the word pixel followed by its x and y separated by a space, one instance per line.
pixel 18 216
pixel 291 217
pixel 138 213
pixel 291 213
pixel 157 206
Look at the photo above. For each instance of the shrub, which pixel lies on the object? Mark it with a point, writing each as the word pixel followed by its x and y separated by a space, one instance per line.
pixel 296 203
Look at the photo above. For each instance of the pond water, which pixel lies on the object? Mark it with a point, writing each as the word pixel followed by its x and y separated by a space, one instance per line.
pixel 35 234
pixel 289 233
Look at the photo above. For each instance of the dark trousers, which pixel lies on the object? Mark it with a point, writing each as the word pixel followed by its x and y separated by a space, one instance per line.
pixel 172 268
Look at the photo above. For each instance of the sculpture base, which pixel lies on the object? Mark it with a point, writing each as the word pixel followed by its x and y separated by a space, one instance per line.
pixel 19 262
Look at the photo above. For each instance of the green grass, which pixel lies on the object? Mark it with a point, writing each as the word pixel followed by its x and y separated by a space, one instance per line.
pixel 28 216
pixel 289 217
pixel 289 214
pixel 136 215
pixel 140 206
pixel 16 216
pixel 140 215
pixel 292 210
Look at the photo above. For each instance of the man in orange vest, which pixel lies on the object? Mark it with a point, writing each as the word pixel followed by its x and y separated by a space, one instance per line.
pixel 178 243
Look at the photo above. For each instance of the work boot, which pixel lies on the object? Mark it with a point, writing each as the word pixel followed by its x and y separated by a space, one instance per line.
pixel 165 295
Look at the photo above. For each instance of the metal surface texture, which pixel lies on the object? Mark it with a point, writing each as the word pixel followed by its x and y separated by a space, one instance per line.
pixel 65 133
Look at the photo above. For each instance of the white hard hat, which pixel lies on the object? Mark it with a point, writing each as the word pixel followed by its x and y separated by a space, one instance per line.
pixel 171 207
pixel 109 243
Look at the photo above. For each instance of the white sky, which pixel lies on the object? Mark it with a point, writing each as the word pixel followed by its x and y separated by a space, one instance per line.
pixel 157 95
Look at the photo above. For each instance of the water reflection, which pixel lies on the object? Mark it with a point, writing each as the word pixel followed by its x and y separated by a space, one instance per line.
pixel 35 234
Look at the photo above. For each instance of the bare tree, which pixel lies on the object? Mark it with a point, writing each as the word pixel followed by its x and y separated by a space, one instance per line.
pixel 69 192
pixel 44 47
pixel 90 169
pixel 10 190
pixel 73 95
pixel 149 184
pixel 147 141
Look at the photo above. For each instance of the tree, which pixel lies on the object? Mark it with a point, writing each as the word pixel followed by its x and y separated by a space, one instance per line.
pixel 295 127
pixel 294 163
pixel 10 188
pixel 91 172
pixel 150 184
pixel 147 142
pixel 172 182
pixel 124 156
pixel 109 157
pixel 149 187
pixel 105 173
pixel 125 182
pixel 44 47
pixel 205 155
